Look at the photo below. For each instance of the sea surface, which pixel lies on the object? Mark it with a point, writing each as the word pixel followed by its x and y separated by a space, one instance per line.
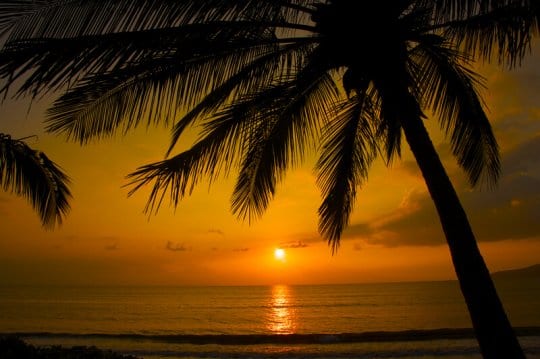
pixel 387 320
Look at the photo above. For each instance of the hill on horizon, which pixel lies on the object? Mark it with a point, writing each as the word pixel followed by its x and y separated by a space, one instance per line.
pixel 526 272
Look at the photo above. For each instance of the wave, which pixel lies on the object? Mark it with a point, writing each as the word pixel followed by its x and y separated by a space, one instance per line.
pixel 253 339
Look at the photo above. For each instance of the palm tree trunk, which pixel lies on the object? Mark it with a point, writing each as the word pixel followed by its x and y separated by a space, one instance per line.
pixel 493 331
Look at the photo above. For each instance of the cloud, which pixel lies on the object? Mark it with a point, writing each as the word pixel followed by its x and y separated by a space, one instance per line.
pixel 176 247
pixel 511 211
pixel 515 107
pixel 414 222
pixel 216 231
pixel 240 249
pixel 293 245
pixel 524 159
pixel 303 238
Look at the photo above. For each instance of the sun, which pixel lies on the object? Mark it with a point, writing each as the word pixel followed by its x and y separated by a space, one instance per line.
pixel 279 254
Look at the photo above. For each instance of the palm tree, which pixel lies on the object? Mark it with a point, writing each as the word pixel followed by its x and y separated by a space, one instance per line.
pixel 266 80
pixel 31 174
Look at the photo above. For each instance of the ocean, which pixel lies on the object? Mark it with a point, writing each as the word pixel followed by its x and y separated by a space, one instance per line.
pixel 386 320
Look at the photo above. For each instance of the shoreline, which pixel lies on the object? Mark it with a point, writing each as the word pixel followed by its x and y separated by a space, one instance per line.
pixel 99 347
pixel 293 338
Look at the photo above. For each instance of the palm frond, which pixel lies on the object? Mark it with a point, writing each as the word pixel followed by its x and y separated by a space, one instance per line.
pixel 25 19
pixel 46 65
pixel 259 112
pixel 496 29
pixel 396 102
pixel 49 64
pixel 346 155
pixel 74 18
pixel 11 12
pixel 289 116
pixel 389 127
pixel 103 103
pixel 451 90
pixel 451 10
pixel 217 150
pixel 258 72
pixel 149 92
pixel 177 175
pixel 31 174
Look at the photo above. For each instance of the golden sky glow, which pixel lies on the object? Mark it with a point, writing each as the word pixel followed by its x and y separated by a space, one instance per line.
pixel 394 234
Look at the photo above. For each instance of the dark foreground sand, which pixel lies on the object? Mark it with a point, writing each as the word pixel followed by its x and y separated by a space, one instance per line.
pixel 15 348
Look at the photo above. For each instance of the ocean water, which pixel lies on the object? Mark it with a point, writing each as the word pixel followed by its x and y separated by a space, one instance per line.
pixel 390 320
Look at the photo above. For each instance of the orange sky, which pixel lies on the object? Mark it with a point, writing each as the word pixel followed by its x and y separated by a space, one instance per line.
pixel 394 233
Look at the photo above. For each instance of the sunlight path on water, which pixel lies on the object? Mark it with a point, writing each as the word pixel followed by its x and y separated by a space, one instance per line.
pixel 281 317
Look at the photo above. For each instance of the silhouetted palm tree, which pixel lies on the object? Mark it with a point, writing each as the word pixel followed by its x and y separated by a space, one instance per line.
pixel 267 79
pixel 31 174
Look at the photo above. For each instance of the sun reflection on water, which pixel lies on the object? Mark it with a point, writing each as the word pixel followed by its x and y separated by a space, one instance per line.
pixel 281 315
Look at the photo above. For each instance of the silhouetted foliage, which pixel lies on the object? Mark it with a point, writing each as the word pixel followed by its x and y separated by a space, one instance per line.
pixel 11 347
pixel 31 174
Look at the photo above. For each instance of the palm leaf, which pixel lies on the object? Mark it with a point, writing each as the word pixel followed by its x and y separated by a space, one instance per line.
pixel 451 10
pixel 289 117
pixel 500 29
pixel 11 12
pixel 49 64
pixel 32 175
pixel 257 73
pixel 217 150
pixel 451 90
pixel 149 92
pixel 26 19
pixel 346 155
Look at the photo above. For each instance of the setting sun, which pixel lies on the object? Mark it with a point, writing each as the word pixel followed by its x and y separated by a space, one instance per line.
pixel 279 254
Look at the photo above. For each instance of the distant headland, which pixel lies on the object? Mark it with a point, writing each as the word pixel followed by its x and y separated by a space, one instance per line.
pixel 526 272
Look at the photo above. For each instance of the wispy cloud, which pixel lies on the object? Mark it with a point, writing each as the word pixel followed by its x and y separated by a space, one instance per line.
pixel 240 249
pixel 305 238
pixel 176 247
pixel 293 245
pixel 216 231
